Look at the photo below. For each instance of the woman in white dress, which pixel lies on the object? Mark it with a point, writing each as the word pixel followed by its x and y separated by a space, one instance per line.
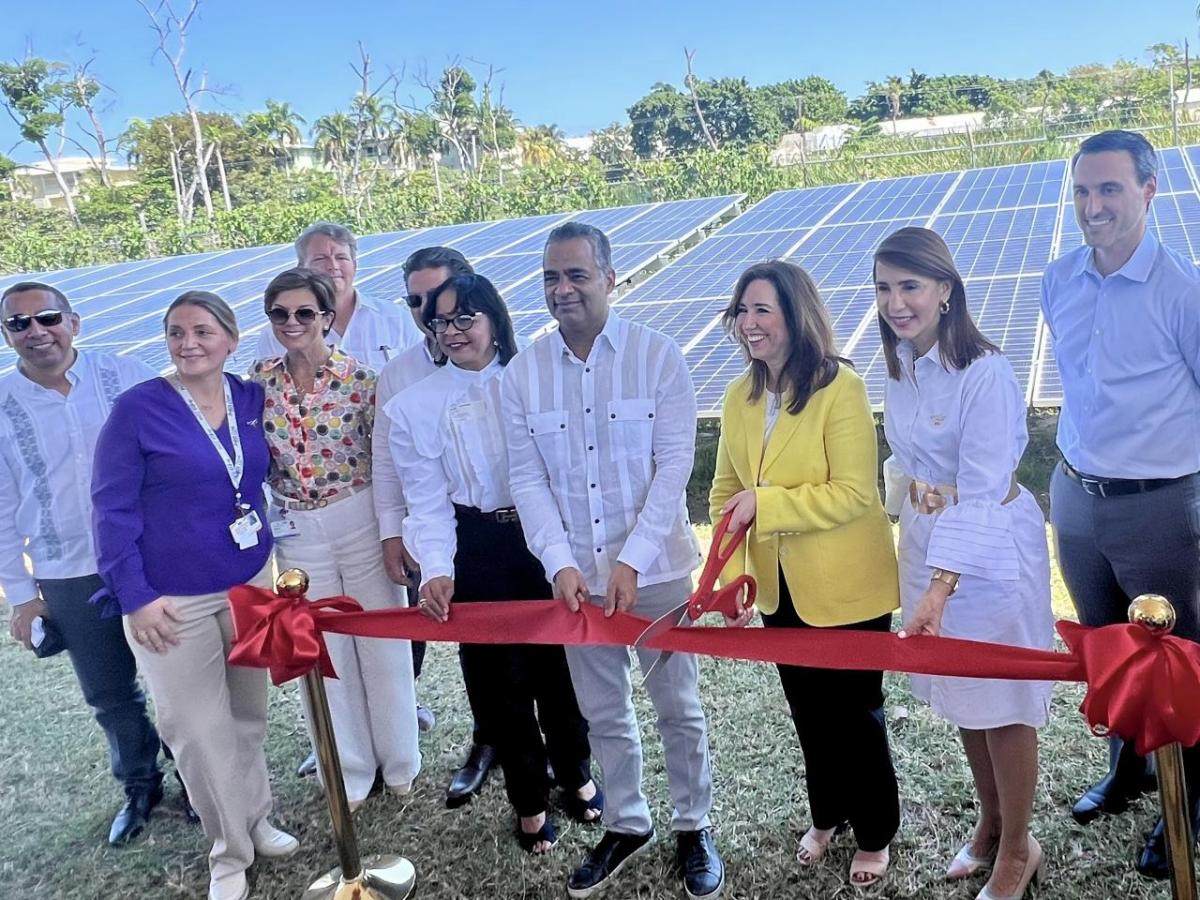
pixel 973 557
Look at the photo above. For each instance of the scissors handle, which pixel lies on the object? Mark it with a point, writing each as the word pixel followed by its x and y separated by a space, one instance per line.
pixel 705 598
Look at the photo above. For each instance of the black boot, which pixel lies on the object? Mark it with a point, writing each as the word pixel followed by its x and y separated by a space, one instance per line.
pixel 1128 778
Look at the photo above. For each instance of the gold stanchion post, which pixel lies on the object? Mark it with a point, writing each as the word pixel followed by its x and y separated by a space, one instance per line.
pixel 380 877
pixel 1155 613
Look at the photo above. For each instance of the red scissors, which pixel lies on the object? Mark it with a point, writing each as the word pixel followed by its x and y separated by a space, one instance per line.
pixel 705 599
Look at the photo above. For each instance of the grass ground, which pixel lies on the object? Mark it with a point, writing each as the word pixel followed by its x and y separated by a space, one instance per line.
pixel 56 800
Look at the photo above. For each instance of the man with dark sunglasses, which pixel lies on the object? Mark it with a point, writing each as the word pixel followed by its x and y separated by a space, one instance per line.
pixel 424 270
pixel 370 329
pixel 52 407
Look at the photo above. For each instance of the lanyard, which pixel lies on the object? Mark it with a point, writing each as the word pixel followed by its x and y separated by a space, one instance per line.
pixel 235 466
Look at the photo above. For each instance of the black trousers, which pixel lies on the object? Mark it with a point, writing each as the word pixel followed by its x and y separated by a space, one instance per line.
pixel 839 720
pixel 107 675
pixel 518 692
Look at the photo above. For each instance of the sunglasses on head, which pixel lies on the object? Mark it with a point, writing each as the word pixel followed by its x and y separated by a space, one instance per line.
pixel 305 315
pixel 47 318
pixel 461 322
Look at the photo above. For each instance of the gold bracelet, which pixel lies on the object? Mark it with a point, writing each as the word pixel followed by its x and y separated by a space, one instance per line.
pixel 947 578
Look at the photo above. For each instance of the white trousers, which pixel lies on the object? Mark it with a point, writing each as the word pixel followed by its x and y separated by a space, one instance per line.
pixel 372 701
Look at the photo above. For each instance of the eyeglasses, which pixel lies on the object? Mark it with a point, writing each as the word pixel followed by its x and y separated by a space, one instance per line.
pixel 47 318
pixel 415 301
pixel 461 322
pixel 305 315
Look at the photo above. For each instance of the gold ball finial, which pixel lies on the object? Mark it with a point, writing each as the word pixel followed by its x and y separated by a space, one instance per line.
pixel 291 583
pixel 1153 612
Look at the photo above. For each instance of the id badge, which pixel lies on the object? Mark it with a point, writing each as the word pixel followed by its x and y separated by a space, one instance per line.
pixel 245 529
pixel 283 528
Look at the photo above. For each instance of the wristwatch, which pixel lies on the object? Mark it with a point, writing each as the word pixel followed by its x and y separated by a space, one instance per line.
pixel 947 578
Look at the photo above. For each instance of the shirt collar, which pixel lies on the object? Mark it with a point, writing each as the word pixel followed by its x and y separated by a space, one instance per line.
pixel 613 332
pixel 488 372
pixel 337 365
pixel 1137 267
pixel 27 385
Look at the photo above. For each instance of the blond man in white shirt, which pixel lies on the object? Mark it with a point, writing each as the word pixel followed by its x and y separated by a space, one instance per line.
pixel 600 420
pixel 371 329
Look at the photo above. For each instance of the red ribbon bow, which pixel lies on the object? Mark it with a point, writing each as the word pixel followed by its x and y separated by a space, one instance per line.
pixel 1142 686
pixel 281 633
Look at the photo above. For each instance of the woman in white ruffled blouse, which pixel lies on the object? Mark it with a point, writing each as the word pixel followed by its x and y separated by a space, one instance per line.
pixel 973 556
pixel 447 441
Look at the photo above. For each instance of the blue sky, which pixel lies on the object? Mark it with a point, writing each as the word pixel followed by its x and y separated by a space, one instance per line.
pixel 576 64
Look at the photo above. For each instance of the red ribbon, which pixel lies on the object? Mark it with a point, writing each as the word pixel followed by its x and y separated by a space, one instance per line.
pixel 281 633
pixel 1141 686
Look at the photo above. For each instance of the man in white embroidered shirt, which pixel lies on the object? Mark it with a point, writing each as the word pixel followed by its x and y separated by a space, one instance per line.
pixel 51 409
pixel 600 420
pixel 370 329
pixel 1124 311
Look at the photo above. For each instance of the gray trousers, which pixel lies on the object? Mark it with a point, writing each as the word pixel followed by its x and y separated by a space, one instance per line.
pixel 1110 549
pixel 601 677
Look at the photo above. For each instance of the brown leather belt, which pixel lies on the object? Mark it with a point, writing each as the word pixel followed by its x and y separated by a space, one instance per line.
pixel 929 499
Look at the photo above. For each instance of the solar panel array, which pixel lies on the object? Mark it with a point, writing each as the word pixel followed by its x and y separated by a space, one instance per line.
pixel 122 304
pixel 1003 225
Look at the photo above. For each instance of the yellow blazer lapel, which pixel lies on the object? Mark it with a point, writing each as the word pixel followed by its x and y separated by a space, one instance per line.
pixel 754 419
pixel 785 427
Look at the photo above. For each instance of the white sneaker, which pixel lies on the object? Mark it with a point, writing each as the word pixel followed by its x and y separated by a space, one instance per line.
pixel 231 887
pixel 425 718
pixel 270 842
pixel 401 790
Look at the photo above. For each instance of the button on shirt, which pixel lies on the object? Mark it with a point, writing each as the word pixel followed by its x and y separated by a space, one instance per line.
pixel 961 427
pixel 448 442
pixel 600 451
pixel 321 440
pixel 47 445
pixel 1128 352
pixel 377 331
pixel 413 365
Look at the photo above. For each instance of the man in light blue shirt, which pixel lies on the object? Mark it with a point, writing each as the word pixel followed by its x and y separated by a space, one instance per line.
pixel 1124 312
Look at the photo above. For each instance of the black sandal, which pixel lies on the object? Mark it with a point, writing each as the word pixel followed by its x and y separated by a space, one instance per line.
pixel 578 808
pixel 546 833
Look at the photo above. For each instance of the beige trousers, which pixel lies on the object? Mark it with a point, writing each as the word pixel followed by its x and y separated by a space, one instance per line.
pixel 372 702
pixel 213 716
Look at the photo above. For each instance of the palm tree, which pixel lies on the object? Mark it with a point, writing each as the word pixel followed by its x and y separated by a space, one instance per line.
pixel 541 144
pixel 334 136
pixel 276 130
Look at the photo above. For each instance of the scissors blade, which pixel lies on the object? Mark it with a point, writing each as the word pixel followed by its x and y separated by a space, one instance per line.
pixel 671 619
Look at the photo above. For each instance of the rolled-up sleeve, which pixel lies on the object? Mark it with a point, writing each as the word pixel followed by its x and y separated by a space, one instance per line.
pixel 117 479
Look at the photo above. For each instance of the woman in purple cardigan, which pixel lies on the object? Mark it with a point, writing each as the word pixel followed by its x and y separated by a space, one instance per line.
pixel 180 519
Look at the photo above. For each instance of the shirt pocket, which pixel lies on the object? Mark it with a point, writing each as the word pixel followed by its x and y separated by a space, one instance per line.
pixel 549 432
pixel 630 429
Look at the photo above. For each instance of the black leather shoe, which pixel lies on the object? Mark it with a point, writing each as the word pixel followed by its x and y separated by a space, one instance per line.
pixel 604 861
pixel 189 811
pixel 697 858
pixel 131 820
pixel 1152 861
pixel 1128 778
pixel 470 778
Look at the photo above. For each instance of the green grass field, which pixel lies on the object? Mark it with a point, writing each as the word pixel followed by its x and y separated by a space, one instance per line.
pixel 57 798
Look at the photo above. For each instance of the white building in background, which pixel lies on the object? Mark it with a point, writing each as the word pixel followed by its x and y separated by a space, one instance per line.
pixel 37 184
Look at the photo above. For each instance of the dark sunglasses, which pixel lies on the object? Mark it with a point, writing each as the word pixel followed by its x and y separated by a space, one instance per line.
pixel 415 301
pixel 305 315
pixel 47 318
pixel 461 322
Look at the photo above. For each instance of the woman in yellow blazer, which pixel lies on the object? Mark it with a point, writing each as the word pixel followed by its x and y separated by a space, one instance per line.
pixel 797 459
